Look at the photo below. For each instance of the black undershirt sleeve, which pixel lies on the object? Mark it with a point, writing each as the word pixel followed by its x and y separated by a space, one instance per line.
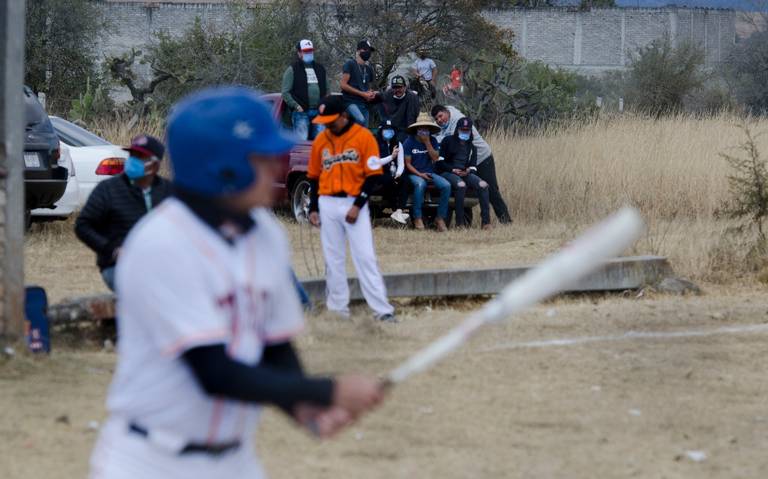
pixel 278 379
pixel 369 185
pixel 313 195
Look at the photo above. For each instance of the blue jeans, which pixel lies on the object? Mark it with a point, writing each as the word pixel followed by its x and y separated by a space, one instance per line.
pixel 303 126
pixel 108 275
pixel 420 187
pixel 359 113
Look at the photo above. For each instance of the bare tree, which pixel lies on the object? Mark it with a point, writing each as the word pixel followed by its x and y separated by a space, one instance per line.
pixel 447 28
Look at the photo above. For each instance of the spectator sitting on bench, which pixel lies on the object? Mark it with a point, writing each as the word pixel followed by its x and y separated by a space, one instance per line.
pixel 420 158
pixel 393 185
pixel 459 167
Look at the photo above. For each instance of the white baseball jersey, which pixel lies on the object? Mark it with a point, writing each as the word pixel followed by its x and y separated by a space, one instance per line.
pixel 181 285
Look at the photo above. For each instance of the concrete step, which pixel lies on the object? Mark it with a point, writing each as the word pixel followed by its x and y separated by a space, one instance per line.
pixel 616 275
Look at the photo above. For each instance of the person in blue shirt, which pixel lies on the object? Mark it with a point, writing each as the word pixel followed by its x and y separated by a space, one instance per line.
pixel 421 154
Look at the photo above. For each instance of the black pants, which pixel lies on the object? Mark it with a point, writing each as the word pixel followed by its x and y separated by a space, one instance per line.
pixel 459 186
pixel 487 171
pixel 396 189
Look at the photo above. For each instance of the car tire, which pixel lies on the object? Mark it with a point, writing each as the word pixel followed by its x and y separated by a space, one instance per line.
pixel 300 200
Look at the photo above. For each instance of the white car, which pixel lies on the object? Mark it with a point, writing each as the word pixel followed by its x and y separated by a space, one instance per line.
pixel 94 159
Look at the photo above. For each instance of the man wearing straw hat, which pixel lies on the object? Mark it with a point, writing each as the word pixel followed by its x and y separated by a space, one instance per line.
pixel 421 154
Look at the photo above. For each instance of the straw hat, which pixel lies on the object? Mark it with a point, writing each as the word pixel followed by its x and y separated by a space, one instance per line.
pixel 424 121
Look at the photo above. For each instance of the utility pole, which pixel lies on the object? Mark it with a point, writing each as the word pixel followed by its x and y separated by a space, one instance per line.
pixel 12 122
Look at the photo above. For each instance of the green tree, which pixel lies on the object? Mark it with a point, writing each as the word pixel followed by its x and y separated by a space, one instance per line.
pixel 661 76
pixel 58 48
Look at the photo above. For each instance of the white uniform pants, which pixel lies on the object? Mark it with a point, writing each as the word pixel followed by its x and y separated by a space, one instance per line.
pixel 122 454
pixel 334 233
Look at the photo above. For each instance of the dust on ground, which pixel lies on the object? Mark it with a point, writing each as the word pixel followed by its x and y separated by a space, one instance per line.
pixel 629 408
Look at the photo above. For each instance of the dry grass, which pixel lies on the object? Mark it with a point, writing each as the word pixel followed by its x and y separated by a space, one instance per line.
pixel 556 183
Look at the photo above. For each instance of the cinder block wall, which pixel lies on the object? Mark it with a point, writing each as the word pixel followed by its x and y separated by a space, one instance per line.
pixel 588 41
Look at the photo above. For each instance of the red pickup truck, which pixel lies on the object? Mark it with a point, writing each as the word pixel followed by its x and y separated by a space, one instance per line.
pixel 293 191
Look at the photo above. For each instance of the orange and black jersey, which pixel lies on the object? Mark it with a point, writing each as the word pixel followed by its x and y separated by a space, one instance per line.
pixel 341 164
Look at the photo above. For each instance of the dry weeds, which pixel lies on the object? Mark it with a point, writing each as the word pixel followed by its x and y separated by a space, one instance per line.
pixel 555 182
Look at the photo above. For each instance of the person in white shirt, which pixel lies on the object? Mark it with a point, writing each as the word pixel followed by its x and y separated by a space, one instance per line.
pixel 207 310
pixel 426 69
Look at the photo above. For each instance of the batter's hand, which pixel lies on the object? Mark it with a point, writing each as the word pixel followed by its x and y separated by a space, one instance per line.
pixel 357 394
pixel 352 214
pixel 314 219
pixel 322 422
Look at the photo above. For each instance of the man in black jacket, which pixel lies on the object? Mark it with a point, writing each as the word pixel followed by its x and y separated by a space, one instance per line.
pixel 400 106
pixel 459 167
pixel 304 84
pixel 117 204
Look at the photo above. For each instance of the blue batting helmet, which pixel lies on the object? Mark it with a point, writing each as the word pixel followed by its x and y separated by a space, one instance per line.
pixel 211 135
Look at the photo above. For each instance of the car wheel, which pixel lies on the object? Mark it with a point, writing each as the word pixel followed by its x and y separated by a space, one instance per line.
pixel 300 201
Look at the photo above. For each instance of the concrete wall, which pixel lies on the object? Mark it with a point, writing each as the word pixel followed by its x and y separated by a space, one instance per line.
pixel 600 40
pixel 589 41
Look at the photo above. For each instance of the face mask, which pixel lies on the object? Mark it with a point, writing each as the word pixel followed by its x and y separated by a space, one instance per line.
pixel 134 168
pixel 444 126
pixel 365 55
pixel 308 57
pixel 464 135
pixel 422 132
pixel 388 134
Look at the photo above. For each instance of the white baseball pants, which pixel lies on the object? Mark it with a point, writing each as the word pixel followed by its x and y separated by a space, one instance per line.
pixel 334 234
pixel 121 454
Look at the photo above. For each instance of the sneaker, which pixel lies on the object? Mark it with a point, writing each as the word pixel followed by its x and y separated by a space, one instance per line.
pixel 441 227
pixel 418 223
pixel 400 217
pixel 387 318
pixel 487 227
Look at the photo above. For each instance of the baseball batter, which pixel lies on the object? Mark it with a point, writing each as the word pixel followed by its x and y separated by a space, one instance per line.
pixel 344 168
pixel 207 310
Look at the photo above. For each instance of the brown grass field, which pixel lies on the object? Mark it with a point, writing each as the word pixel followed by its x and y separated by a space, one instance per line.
pixel 597 404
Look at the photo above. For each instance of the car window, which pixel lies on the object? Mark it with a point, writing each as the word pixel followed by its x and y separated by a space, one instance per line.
pixel 74 135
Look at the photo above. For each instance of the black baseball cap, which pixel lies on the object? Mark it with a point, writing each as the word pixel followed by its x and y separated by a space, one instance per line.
pixel 146 145
pixel 397 80
pixel 365 45
pixel 464 124
pixel 329 109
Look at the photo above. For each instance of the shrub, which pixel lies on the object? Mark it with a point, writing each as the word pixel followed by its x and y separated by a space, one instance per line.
pixel 522 95
pixel 661 76
pixel 747 72
pixel 748 185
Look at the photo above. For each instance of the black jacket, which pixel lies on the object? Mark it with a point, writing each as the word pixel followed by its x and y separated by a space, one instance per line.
pixel 113 208
pixel 402 112
pixel 457 154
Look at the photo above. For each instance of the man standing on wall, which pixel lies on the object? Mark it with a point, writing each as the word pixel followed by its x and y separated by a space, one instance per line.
pixel 356 78
pixel 304 84
pixel 426 69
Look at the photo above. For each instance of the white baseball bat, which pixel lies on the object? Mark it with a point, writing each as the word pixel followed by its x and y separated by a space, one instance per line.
pixel 583 256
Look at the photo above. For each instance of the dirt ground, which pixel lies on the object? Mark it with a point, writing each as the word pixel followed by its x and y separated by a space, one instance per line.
pixel 502 407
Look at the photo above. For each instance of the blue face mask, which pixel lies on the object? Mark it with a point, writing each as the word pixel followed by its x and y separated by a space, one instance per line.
pixel 134 168
pixel 388 134
pixel 463 136
pixel 308 57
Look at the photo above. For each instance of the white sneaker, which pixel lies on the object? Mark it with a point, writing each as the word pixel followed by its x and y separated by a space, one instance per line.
pixel 400 217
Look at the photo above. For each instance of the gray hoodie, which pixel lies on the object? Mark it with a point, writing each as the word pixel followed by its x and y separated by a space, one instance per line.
pixel 483 148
